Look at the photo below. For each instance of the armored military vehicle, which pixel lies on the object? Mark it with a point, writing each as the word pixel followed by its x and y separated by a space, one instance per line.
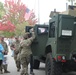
pixel 61 43
pixel 39 44
pixel 55 45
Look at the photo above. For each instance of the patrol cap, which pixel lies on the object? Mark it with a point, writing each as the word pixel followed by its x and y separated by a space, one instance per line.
pixel 26 35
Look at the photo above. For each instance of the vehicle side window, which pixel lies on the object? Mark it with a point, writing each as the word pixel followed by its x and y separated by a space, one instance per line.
pixel 52 30
pixel 27 28
pixel 42 30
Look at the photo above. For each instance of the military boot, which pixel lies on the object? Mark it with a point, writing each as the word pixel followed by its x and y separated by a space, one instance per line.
pixel 1 72
pixel 18 69
pixel 32 73
pixel 5 69
pixel 26 74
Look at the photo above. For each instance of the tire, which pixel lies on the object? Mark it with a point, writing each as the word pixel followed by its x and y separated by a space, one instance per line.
pixel 36 64
pixel 52 67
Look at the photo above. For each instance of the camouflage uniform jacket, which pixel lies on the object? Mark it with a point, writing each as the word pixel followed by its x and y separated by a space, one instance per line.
pixel 26 46
pixel 4 44
pixel 16 46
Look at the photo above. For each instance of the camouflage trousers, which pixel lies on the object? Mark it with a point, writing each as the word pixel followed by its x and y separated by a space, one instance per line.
pixel 24 62
pixel 5 64
pixel 17 62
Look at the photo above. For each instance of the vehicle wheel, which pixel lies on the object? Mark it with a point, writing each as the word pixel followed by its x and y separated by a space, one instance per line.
pixel 36 64
pixel 52 67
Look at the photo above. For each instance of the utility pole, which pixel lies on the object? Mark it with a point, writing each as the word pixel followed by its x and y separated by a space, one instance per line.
pixel 72 2
pixel 38 12
pixel 66 6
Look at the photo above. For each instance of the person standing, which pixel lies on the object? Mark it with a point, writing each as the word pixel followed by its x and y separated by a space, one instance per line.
pixel 31 64
pixel 26 51
pixel 5 65
pixel 1 57
pixel 15 48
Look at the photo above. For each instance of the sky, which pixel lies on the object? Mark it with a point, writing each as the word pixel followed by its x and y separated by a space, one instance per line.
pixel 45 7
pixel 42 8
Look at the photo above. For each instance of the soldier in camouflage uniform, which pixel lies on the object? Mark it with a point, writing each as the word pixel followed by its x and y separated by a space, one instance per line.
pixel 15 47
pixel 26 52
pixel 5 53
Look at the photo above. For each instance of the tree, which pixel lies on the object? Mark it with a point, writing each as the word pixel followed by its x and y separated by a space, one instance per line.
pixel 1 10
pixel 5 29
pixel 15 12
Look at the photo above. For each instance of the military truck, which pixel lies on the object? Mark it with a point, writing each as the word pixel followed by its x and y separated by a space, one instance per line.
pixel 61 43
pixel 55 45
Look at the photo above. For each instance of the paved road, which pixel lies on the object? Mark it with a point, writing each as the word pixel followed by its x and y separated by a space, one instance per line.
pixel 12 68
pixel 41 71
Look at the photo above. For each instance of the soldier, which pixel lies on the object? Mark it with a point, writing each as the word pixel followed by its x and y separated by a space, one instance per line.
pixel 4 44
pixel 15 47
pixel 26 52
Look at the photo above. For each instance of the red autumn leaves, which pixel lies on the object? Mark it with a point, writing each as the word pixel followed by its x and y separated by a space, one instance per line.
pixel 7 26
pixel 16 14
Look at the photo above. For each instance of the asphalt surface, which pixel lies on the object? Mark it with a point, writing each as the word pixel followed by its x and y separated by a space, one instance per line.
pixel 13 70
pixel 41 71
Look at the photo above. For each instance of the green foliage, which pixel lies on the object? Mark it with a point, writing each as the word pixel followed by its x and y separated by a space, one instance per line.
pixel 2 11
pixel 20 28
pixel 14 11
pixel 8 34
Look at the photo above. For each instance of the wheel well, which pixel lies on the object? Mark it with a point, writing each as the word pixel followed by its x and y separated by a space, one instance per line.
pixel 48 49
